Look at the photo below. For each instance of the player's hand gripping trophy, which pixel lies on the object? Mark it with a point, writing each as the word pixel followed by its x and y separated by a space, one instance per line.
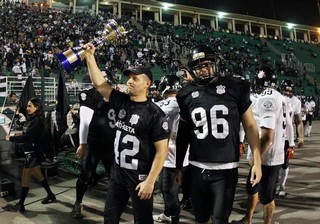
pixel 112 33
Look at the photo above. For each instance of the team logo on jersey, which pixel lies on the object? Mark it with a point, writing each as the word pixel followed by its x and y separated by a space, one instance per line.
pixel 165 126
pixel 83 96
pixel 121 125
pixel 267 104
pixel 122 114
pixel 134 119
pixel 195 94
pixel 221 89
pixel 261 74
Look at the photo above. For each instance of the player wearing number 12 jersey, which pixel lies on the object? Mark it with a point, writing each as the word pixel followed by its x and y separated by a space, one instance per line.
pixel 141 143
pixel 211 109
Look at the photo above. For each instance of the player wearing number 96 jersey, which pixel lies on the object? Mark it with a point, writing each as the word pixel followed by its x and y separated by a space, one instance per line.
pixel 214 112
pixel 211 108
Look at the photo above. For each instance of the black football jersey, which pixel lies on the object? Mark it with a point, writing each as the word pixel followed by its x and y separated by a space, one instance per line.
pixel 102 126
pixel 138 126
pixel 214 113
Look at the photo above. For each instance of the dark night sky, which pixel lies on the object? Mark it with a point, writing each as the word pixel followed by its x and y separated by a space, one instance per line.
pixel 294 11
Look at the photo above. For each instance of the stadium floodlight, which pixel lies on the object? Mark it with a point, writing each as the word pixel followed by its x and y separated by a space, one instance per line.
pixel 166 5
pixel 290 25
pixel 221 14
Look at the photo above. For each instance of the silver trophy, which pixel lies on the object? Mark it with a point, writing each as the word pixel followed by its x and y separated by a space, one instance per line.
pixel 113 33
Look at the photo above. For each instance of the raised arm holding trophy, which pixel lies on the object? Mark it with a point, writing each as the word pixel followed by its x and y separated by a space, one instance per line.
pixel 112 33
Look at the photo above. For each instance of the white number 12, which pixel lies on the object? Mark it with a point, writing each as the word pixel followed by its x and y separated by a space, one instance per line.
pixel 121 156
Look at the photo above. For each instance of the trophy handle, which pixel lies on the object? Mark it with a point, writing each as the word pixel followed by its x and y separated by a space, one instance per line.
pixel 71 58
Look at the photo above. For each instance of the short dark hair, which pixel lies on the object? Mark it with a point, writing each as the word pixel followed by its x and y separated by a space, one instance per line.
pixel 12 94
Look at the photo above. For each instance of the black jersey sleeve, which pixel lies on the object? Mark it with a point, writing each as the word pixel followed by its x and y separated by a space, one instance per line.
pixel 181 98
pixel 183 108
pixel 181 143
pixel 244 94
pixel 87 98
pixel 160 124
pixel 245 101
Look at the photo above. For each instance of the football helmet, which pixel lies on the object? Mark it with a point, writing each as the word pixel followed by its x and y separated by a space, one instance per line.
pixel 202 64
pixel 154 86
pixel 265 77
pixel 154 93
pixel 286 87
pixel 169 84
pixel 309 98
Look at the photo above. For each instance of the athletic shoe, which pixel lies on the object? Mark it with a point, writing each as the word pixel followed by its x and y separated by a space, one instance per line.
pixel 14 208
pixel 241 221
pixel 162 218
pixel 185 204
pixel 49 199
pixel 175 219
pixel 76 211
pixel 282 192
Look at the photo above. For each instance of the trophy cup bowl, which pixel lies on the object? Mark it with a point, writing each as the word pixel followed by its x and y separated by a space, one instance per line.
pixel 112 33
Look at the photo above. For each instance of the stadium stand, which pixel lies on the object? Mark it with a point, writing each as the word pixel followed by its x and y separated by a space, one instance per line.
pixel 161 46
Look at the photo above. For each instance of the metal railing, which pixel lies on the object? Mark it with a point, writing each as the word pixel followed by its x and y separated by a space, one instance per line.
pixel 48 85
pixel 15 84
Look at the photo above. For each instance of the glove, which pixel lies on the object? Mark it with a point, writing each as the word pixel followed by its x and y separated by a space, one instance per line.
pixel 290 153
pixel 242 149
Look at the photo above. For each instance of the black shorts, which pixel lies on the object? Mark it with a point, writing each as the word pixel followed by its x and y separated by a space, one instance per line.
pixel 268 183
pixel 251 190
pixel 32 159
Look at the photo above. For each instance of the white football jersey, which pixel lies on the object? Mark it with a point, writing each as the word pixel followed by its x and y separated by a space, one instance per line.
pixel 296 105
pixel 310 106
pixel 289 120
pixel 304 112
pixel 271 107
pixel 171 109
